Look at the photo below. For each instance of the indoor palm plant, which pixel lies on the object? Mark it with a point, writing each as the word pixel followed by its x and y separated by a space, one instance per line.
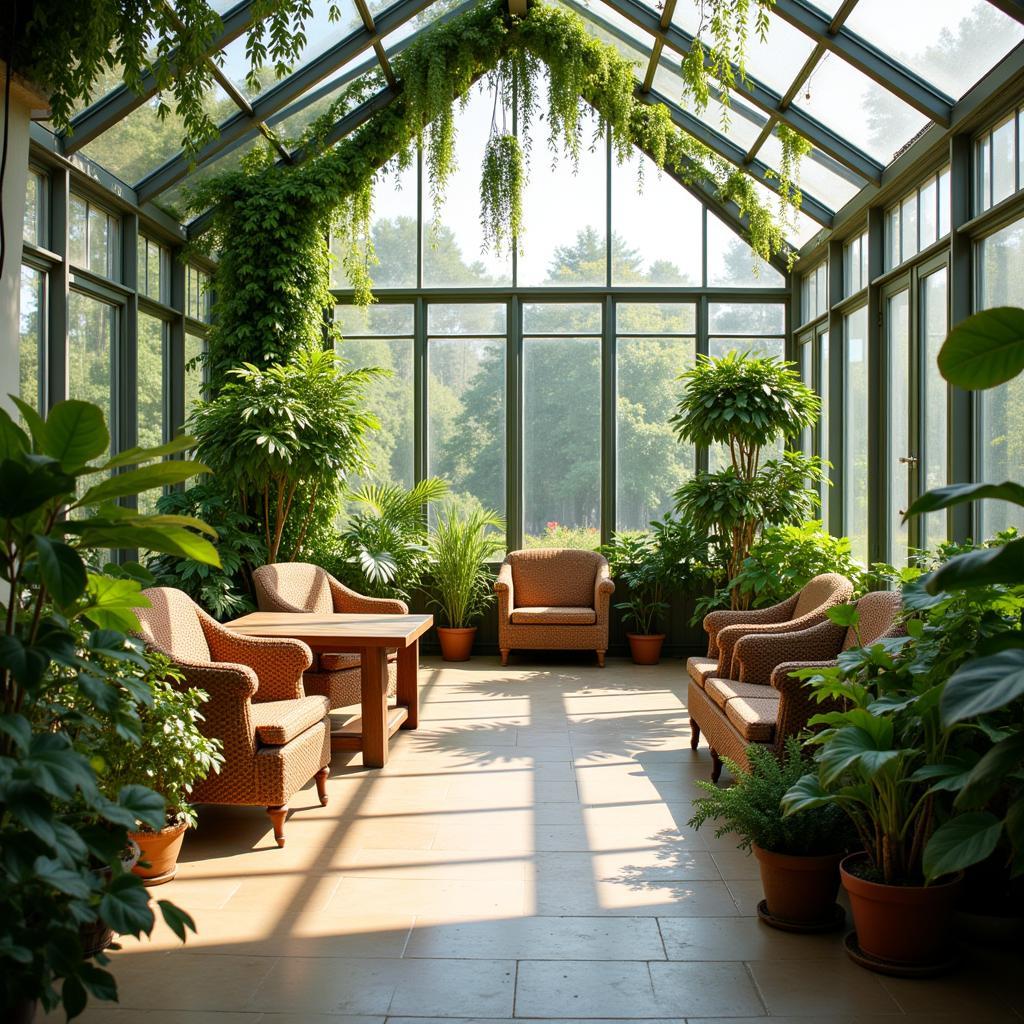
pixel 461 544
pixel 798 855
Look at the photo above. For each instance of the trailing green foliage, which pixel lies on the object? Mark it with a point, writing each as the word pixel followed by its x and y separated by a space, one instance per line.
pixel 785 557
pixel 751 807
pixel 501 192
pixel 794 148
pixel 63 634
pixel 283 438
pixel 461 544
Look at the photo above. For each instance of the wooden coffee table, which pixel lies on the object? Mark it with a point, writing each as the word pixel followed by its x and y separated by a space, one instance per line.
pixel 370 636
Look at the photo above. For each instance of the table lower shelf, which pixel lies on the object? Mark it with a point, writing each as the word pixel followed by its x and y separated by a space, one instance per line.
pixel 350 735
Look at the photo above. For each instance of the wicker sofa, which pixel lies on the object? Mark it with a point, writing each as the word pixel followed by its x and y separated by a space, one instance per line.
pixel 302 587
pixel 765 703
pixel 275 738
pixel 553 599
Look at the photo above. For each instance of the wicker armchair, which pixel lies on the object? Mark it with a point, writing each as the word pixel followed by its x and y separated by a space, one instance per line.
pixel 766 703
pixel 275 738
pixel 553 599
pixel 301 587
pixel 724 627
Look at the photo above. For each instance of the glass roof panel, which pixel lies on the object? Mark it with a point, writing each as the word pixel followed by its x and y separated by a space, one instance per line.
pixel 291 122
pixel 642 41
pixel 858 109
pixel 950 43
pixel 321 34
pixel 174 197
pixel 140 142
pixel 815 178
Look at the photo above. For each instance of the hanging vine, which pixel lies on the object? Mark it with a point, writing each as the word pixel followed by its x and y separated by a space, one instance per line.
pixel 794 148
pixel 273 277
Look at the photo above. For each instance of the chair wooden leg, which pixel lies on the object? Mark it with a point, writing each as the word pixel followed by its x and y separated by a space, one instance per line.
pixel 600 659
pixel 716 767
pixel 694 735
pixel 277 816
pixel 504 656
pixel 321 785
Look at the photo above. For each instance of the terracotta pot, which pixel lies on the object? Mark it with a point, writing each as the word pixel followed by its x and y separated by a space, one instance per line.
pixel 900 924
pixel 646 649
pixel 800 890
pixel 456 644
pixel 158 860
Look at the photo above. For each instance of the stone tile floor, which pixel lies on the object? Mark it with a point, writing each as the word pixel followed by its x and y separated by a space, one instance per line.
pixel 524 854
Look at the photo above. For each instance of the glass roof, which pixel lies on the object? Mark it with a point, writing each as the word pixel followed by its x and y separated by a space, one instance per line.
pixel 950 44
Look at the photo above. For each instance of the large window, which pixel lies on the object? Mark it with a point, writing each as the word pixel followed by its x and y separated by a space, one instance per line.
pixel 151 392
pixel 855 265
pixel 94 238
pixel 920 218
pixel 855 432
pixel 1000 268
pixel 934 417
pixel 154 270
pixel 998 158
pixel 814 293
pixel 31 318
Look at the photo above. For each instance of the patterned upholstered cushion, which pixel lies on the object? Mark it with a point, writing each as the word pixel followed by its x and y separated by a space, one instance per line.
pixel 554 616
pixel 821 591
pixel 556 578
pixel 701 669
pixel 754 717
pixel 280 721
pixel 721 691
pixel 172 625
pixel 346 660
pixel 299 583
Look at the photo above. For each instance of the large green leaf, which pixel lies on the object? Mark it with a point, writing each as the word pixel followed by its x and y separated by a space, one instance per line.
pixel 957 494
pixel 992 770
pixel 13 440
pixel 60 877
pixel 135 456
pixel 982 685
pixel 984 568
pixel 962 841
pixel 984 350
pixel 807 792
pixel 57 768
pixel 112 603
pixel 147 805
pixel 176 919
pixel 36 426
pixel 61 568
pixel 168 540
pixel 850 747
pixel 76 433
pixel 125 906
pixel 26 489
pixel 145 478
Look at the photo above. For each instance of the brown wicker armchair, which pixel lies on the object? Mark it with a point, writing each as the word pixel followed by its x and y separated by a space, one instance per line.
pixel 302 587
pixel 766 704
pixel 553 599
pixel 805 608
pixel 275 738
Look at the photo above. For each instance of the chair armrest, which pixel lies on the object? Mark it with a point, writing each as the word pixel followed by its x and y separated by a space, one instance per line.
pixel 756 655
pixel 506 595
pixel 797 705
pixel 604 587
pixel 278 662
pixel 347 600
pixel 225 713
pixel 716 621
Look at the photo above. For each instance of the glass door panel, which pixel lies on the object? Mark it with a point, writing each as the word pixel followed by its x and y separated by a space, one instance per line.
pixel 934 422
pixel 901 461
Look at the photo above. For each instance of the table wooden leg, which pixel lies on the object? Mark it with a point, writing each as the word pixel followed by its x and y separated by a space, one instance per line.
pixel 409 683
pixel 374 684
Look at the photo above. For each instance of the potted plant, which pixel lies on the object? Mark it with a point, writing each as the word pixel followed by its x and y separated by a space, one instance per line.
pixel 169 756
pixel 798 855
pixel 460 546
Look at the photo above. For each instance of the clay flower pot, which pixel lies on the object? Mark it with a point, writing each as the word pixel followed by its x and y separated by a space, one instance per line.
pixel 900 925
pixel 158 861
pixel 645 649
pixel 799 891
pixel 456 644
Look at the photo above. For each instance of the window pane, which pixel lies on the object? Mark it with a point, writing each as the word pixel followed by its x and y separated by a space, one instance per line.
pixel 390 399
pixel 805 361
pixel 898 432
pixel 758 347
pixel 892 238
pixel 747 318
pixel 380 318
pixel 466 318
pixel 102 242
pixel 197 299
pixel 195 347
pixel 640 256
pixel 650 463
pixel 78 220
pixel 908 226
pixel 30 335
pixel 732 263
pixel 466 418
pixel 655 318
pixel 152 395
pixel 561 318
pixel 823 420
pixel 34 197
pixel 934 416
pixel 944 203
pixel 562 442
pixel 855 460
pixel 929 210
pixel 1001 272
pixel 982 172
pixel 1004 161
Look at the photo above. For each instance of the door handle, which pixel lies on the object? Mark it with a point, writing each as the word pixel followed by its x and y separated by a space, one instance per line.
pixel 908 460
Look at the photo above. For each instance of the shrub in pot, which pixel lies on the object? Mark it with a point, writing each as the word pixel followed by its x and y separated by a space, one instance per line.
pixel 461 543
pixel 798 855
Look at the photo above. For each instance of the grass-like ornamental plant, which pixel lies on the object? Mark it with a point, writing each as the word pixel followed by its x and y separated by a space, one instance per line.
pixel 461 544
pixel 751 808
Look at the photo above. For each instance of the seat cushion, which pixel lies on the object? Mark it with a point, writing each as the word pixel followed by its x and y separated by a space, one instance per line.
pixel 345 660
pixel 549 615
pixel 280 721
pixel 754 717
pixel 721 691
pixel 701 669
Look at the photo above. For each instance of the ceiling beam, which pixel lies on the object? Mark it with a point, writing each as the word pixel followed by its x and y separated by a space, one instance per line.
pixel 757 93
pixel 875 63
pixel 236 127
pixel 1012 8
pixel 120 102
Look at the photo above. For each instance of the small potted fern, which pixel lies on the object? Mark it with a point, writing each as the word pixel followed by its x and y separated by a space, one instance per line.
pixel 799 855
pixel 460 546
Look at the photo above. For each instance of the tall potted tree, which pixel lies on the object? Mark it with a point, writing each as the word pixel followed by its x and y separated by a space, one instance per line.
pixel 461 544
